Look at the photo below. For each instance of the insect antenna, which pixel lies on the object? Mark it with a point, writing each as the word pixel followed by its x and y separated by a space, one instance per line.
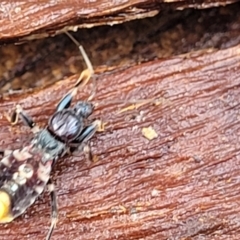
pixel 87 73
pixel 83 79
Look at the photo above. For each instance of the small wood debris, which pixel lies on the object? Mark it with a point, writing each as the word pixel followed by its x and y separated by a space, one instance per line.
pixel 149 133
pixel 136 105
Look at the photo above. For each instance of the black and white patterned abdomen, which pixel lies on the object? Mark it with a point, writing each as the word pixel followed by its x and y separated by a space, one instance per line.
pixel 23 177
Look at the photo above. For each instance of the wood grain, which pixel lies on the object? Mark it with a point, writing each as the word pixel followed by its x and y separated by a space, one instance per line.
pixel 182 185
pixel 35 19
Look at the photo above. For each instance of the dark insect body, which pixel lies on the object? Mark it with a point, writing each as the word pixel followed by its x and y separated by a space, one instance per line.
pixel 25 172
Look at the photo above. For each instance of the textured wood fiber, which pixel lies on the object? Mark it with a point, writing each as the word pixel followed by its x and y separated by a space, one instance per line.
pixel 182 185
pixel 45 61
pixel 19 19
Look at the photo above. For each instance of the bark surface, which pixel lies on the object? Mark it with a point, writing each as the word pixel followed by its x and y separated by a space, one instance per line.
pixel 34 19
pixel 184 184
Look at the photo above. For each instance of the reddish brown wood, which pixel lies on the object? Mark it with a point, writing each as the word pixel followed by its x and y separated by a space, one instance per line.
pixel 182 185
pixel 40 18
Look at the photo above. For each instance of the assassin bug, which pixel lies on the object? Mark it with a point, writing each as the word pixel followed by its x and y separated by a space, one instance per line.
pixel 25 172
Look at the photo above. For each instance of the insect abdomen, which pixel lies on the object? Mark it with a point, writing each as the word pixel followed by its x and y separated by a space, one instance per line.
pixel 26 178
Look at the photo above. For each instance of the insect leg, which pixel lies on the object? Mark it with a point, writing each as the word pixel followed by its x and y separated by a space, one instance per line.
pixel 84 77
pixel 81 143
pixel 54 209
pixel 89 131
pixel 88 153
pixel 19 112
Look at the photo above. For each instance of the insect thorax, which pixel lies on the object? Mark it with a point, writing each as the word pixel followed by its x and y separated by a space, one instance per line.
pixel 50 147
